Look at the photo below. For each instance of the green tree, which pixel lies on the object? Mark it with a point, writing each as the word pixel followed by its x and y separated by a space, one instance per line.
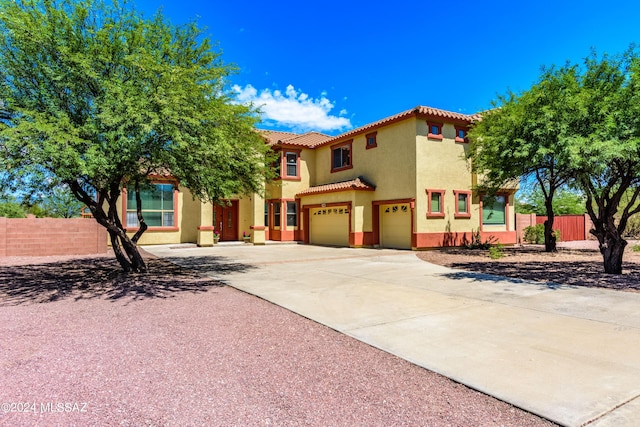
pixel 606 149
pixel 522 137
pixel 9 208
pixel 584 131
pixel 96 97
pixel 61 203
pixel 565 202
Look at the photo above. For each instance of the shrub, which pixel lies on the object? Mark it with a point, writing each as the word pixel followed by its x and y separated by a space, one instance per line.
pixel 477 243
pixel 534 234
pixel 633 228
pixel 11 210
pixel 558 235
pixel 635 248
pixel 496 252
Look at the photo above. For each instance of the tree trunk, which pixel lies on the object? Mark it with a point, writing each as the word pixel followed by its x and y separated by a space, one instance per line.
pixel 549 235
pixel 133 253
pixel 130 259
pixel 612 249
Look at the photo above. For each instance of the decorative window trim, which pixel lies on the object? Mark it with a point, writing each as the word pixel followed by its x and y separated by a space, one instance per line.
pixel 283 164
pixel 176 218
pixel 432 135
pixel 459 214
pixel 372 135
pixel 430 212
pixel 458 137
pixel 342 145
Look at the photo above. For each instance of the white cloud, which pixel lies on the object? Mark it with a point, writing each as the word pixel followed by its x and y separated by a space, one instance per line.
pixel 293 109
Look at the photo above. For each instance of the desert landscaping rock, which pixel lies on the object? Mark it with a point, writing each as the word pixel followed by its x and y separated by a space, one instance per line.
pixel 575 264
pixel 173 348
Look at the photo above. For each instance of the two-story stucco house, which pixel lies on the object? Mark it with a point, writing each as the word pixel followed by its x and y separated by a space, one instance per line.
pixel 400 182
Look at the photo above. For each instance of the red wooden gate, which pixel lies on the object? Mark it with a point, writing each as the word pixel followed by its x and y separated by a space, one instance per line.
pixel 571 226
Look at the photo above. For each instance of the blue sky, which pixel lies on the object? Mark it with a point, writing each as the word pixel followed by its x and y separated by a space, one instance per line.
pixel 334 65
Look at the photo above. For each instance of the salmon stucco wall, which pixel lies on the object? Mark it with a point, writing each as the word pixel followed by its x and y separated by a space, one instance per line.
pixel 51 236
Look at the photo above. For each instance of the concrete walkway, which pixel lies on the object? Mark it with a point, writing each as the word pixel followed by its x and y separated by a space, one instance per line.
pixel 567 354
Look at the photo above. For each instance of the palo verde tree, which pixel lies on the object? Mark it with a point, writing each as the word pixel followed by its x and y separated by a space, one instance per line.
pixel 96 97
pixel 605 148
pixel 522 137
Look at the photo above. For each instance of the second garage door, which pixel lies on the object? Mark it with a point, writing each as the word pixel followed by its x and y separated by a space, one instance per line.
pixel 395 226
pixel 329 226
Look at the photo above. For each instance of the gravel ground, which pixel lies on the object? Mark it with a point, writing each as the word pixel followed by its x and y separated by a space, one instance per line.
pixel 174 349
pixel 575 264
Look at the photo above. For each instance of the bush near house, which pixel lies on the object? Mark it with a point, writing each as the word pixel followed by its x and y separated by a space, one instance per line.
pixel 534 234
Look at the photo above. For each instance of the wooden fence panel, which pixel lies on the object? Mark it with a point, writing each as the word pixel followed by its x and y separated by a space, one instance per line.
pixel 572 227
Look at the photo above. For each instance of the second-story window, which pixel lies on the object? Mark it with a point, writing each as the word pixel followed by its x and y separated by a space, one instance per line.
pixel 291 160
pixel 341 157
pixel 435 130
pixel 372 140
pixel 461 134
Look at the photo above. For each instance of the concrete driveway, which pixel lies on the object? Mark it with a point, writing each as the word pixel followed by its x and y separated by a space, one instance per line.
pixel 568 354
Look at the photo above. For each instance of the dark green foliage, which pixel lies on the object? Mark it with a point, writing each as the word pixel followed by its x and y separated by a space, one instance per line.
pixel 11 210
pixel 534 234
pixel 95 97
pixel 522 137
pixel 578 126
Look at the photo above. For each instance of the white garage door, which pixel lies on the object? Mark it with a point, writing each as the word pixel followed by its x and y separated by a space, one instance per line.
pixel 395 226
pixel 329 226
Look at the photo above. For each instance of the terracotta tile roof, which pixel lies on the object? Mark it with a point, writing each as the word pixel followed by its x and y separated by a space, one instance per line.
pixel 354 184
pixel 273 136
pixel 309 139
pixel 419 111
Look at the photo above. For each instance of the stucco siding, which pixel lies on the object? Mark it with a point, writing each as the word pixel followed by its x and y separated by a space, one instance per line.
pixel 389 167
pixel 441 166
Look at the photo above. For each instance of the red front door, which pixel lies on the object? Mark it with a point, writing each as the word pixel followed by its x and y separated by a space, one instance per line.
pixel 225 220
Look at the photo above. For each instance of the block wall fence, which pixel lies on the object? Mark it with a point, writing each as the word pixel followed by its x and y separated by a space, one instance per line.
pixel 572 227
pixel 51 236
